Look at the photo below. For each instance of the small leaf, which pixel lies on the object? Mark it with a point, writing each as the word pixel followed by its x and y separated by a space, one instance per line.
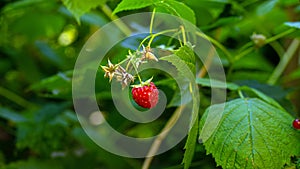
pixel 79 7
pixel 184 60
pixel 57 86
pixel 293 24
pixel 250 134
pixel 266 7
pixel 179 9
pixel 216 84
pixel 125 5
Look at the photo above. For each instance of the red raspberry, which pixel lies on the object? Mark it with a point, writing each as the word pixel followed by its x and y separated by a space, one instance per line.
pixel 296 124
pixel 145 96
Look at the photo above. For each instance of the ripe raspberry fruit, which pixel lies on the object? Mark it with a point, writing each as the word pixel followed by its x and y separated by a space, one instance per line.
pixel 145 96
pixel 296 124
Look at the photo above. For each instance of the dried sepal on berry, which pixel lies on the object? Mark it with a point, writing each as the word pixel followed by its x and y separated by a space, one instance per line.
pixel 109 70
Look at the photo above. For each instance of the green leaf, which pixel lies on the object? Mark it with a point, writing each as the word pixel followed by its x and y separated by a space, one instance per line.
pixel 216 84
pixel 266 7
pixel 179 9
pixel 293 24
pixel 184 61
pixel 261 95
pixel 125 5
pixel 250 134
pixel 186 53
pixel 190 145
pixel 57 86
pixel 79 7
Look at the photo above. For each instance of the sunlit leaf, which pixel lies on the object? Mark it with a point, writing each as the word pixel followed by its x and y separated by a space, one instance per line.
pixel 250 134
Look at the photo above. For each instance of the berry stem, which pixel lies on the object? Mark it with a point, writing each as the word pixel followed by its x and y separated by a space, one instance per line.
pixel 152 36
pixel 183 34
pixel 151 22
pixel 241 94
pixel 137 73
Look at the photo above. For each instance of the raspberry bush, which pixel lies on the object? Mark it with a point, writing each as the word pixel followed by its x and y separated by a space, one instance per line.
pixel 255 126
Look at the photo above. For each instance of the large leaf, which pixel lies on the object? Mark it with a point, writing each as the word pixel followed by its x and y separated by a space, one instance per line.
pixel 125 5
pixel 79 7
pixel 170 6
pixel 250 134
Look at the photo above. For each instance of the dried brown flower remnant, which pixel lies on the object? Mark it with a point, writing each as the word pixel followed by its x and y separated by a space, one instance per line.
pixel 124 77
pixel 147 54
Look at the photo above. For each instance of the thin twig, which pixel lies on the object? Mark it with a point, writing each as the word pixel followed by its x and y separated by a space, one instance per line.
pixel 121 25
pixel 15 98
pixel 284 62
pixel 157 142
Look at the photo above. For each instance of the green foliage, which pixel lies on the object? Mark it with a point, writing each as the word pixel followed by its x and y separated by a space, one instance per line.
pixel 57 86
pixel 39 128
pixel 249 134
pixel 184 61
pixel 50 123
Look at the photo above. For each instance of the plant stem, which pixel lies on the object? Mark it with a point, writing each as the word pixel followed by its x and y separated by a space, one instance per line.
pixel 155 35
pixel 241 94
pixel 123 27
pixel 219 45
pixel 207 63
pixel 270 40
pixel 152 21
pixel 15 98
pixel 136 71
pixel 183 34
pixel 284 62
pixel 157 142
pixel 278 36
